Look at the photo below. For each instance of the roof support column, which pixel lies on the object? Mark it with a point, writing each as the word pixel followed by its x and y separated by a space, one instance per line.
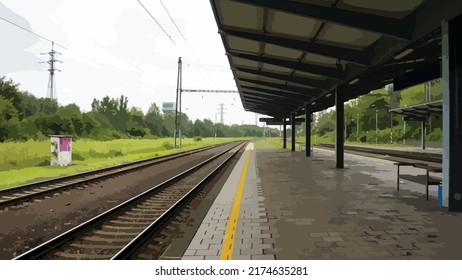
pixel 339 128
pixel 284 134
pixel 424 132
pixel 307 132
pixel 452 113
pixel 292 118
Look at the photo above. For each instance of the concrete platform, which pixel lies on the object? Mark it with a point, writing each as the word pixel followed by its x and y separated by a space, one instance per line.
pixel 294 207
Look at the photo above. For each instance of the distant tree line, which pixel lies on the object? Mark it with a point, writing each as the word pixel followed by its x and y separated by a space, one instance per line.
pixel 24 116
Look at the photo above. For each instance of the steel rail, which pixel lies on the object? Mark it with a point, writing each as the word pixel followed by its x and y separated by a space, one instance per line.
pixel 429 157
pixel 139 240
pixel 59 240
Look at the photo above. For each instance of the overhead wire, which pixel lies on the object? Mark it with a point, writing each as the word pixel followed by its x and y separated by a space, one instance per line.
pixel 174 23
pixel 62 46
pixel 206 77
pixel 30 31
pixel 153 18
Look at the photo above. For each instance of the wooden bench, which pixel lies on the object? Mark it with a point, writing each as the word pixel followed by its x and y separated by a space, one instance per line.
pixel 426 179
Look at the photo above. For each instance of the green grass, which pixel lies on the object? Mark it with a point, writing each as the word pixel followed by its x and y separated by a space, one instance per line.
pixel 268 143
pixel 23 162
pixel 325 139
pixel 377 145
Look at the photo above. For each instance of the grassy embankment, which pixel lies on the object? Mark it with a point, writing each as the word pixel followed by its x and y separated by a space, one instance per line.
pixel 328 140
pixel 268 143
pixel 276 143
pixel 22 162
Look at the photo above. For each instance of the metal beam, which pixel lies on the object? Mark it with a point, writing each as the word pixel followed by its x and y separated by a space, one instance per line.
pixel 322 103
pixel 210 90
pixel 356 56
pixel 416 113
pixel 266 100
pixel 418 76
pixel 300 97
pixel 410 118
pixel 334 73
pixel 452 113
pixel 298 90
pixel 270 119
pixel 339 108
pixel 397 28
pixel 284 136
pixel 307 132
pixel 283 108
pixel 281 123
pixel 429 18
pixel 324 85
pixel 396 67
pixel 292 120
pixel 423 132
pixel 250 95
pixel 351 92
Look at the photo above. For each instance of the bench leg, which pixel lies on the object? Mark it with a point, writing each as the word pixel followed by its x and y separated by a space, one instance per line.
pixel 397 179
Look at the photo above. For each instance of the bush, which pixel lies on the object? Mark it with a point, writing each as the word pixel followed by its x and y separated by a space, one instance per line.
pixel 198 138
pixel 435 135
pixel 97 154
pixel 167 145
pixel 381 137
pixel 77 156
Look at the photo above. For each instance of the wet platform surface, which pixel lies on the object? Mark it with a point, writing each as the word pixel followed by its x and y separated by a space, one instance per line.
pixel 295 207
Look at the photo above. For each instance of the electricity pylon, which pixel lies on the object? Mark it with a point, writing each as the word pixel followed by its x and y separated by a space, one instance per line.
pixel 51 90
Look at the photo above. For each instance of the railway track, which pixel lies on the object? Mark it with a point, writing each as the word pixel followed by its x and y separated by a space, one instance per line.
pixel 31 191
pixel 393 155
pixel 120 231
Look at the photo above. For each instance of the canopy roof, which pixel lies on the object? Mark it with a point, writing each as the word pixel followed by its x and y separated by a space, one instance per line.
pixel 420 111
pixel 287 54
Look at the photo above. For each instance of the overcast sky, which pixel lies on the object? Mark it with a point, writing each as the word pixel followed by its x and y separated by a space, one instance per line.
pixel 115 48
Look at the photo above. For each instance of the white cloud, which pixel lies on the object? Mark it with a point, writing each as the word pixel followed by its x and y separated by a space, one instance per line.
pixel 116 48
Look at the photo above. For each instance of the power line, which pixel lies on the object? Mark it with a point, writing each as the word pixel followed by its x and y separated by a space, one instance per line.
pixel 30 31
pixel 165 8
pixel 156 22
pixel 60 45
pixel 206 78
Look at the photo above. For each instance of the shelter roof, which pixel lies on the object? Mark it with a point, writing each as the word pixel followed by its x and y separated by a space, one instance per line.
pixel 288 54
pixel 420 111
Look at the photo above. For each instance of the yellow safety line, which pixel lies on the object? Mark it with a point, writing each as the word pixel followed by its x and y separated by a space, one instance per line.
pixel 228 242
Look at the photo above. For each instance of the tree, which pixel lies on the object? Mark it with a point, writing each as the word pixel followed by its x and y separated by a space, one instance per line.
pixel 9 120
pixel 168 125
pixel 154 121
pixel 33 105
pixel 135 124
pixel 203 128
pixel 115 110
pixel 72 112
pixel 326 122
pixel 9 91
